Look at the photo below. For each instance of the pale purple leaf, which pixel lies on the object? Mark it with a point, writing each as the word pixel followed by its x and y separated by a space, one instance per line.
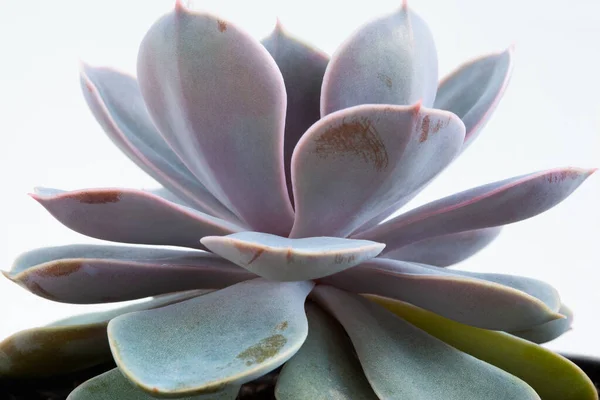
pixel 494 204
pixel 391 60
pixel 131 216
pixel 354 163
pixel 218 99
pixel 84 274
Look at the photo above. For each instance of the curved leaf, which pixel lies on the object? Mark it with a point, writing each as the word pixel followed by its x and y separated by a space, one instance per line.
pixel 354 163
pixel 446 250
pixel 132 216
pixel 474 90
pixel 70 344
pixel 86 274
pixel 216 94
pixel 282 259
pixel 324 368
pixel 113 385
pixel 227 337
pixel 404 362
pixel 552 376
pixel 487 303
pixel 391 60
pixel 115 100
pixel 302 67
pixel 550 330
pixel 494 204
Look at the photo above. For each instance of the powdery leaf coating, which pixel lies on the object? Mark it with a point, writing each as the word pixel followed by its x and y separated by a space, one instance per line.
pixel 474 90
pixel 113 385
pixel 446 250
pixel 552 376
pixel 355 163
pixel 494 204
pixel 227 337
pixel 283 259
pixel 490 301
pixel 84 274
pixel 302 67
pixel 70 344
pixel 391 60
pixel 325 367
pixel 131 216
pixel 223 115
pixel 400 360
pixel 115 100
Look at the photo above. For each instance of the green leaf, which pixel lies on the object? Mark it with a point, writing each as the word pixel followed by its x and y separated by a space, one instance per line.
pixel 553 377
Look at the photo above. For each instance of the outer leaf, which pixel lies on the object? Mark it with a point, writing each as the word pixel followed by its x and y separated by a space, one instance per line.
pixel 552 376
pixel 216 94
pixel 550 330
pixel 228 337
pixel 494 204
pixel 355 163
pixel 404 362
pixel 113 385
pixel 282 259
pixel 68 345
pixel 325 367
pixel 446 250
pixel 391 60
pixel 99 274
pixel 499 302
pixel 116 102
pixel 302 67
pixel 132 216
pixel 474 90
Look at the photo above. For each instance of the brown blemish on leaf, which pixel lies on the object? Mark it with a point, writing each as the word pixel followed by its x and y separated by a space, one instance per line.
pixel 60 269
pixel 339 258
pixel 561 176
pixel 424 129
pixel 357 138
pixel 37 289
pixel 112 196
pixel 385 79
pixel 263 350
pixel 222 25
pixel 282 326
pixel 289 257
pixel 257 254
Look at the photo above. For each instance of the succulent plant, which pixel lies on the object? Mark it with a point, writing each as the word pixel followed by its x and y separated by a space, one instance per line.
pixel 280 167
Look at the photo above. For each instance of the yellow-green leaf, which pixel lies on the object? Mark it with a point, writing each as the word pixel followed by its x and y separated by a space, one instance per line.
pixel 552 376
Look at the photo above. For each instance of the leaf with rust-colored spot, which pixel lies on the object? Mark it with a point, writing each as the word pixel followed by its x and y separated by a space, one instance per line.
pixel 228 337
pixel 353 164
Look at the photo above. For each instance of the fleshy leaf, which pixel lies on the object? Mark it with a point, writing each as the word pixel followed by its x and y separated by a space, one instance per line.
pixel 282 259
pixel 490 301
pixel 494 204
pixel 227 337
pixel 446 250
pixel 474 90
pixel 115 100
pixel 391 60
pixel 70 344
pixel 132 216
pixel 302 67
pixel 325 367
pixel 86 274
pixel 404 362
pixel 355 163
pixel 218 99
pixel 112 385
pixel 552 376
pixel 550 330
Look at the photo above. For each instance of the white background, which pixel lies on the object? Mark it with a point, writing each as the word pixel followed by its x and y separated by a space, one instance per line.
pixel 549 117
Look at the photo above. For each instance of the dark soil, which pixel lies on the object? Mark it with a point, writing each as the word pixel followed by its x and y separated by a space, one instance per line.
pixel 58 388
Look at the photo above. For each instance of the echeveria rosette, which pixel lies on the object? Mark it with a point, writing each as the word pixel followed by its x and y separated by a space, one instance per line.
pixel 278 165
